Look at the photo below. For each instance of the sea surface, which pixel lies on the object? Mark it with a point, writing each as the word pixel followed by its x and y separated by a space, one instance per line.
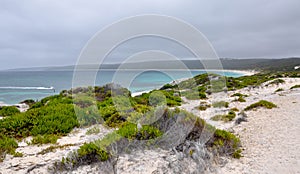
pixel 16 86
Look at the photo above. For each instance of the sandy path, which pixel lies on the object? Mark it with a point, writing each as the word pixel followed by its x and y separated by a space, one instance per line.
pixel 271 139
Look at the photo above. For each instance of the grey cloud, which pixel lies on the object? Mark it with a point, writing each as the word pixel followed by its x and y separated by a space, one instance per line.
pixel 43 33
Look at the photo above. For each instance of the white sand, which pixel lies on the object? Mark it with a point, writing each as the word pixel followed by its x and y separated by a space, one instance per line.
pixel 270 138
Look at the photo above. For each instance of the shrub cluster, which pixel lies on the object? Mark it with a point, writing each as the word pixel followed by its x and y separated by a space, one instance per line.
pixel 8 111
pixel 295 86
pixel 44 139
pixel 227 117
pixel 220 104
pixel 261 103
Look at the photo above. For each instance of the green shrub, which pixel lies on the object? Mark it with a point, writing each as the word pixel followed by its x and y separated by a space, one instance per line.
pixel 203 107
pixel 261 103
pixel 276 82
pixel 18 154
pixel 8 111
pixel 108 140
pixel 48 119
pixel 44 139
pixel 240 99
pixel 295 86
pixel 88 116
pixel 7 145
pixel 227 117
pixel 245 81
pixel 227 137
pixel 279 89
pixel 172 100
pixel 194 95
pixel 234 109
pixel 130 131
pixel 93 130
pixel 53 148
pixel 91 150
pixel 238 95
pixel 237 154
pixel 220 104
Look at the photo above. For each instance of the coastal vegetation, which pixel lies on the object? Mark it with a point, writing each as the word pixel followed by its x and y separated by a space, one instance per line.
pixel 220 104
pixel 276 82
pixel 279 90
pixel 111 105
pixel 44 139
pixel 8 111
pixel 261 103
pixel 295 86
pixel 226 117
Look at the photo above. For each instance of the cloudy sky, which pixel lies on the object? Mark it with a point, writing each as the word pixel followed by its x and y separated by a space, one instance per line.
pixel 47 33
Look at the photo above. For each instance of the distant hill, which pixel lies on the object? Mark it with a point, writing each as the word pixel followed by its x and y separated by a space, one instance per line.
pixel 285 64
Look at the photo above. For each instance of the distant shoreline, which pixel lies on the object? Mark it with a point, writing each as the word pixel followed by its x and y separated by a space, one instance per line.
pixel 244 72
pixel 135 93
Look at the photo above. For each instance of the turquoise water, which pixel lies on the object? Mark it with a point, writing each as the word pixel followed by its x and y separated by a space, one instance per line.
pixel 16 86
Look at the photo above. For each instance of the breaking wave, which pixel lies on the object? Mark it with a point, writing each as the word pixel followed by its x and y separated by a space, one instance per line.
pixel 24 88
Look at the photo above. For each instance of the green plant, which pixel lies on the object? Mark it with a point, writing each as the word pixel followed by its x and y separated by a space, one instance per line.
pixel 279 89
pixel 238 95
pixel 226 143
pixel 93 130
pixel 220 104
pixel 226 117
pixel 44 139
pixel 240 99
pixel 53 148
pixel 8 111
pixel 91 149
pixel 234 109
pixel 131 131
pixel 261 103
pixel 295 86
pixel 194 95
pixel 276 82
pixel 18 154
pixel 7 145
pixel 237 154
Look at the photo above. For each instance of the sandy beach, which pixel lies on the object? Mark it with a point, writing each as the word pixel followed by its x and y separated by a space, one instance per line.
pixel 270 138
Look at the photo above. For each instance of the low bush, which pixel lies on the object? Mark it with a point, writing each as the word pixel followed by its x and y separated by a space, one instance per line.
pixel 261 103
pixel 227 143
pixel 49 119
pixel 194 95
pixel 227 117
pixel 279 89
pixel 220 104
pixel 234 109
pixel 238 95
pixel 146 132
pixel 93 130
pixel 276 82
pixel 53 148
pixel 91 152
pixel 239 99
pixel 44 139
pixel 8 111
pixel 295 86
pixel 203 107
pixel 7 146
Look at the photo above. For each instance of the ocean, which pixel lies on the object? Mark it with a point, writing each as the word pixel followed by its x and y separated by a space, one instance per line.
pixel 16 86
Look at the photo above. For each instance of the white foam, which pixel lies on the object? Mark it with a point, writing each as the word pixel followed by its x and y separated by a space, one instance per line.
pixel 24 88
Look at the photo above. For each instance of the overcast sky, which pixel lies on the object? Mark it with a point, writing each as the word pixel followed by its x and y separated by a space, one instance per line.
pixel 46 33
